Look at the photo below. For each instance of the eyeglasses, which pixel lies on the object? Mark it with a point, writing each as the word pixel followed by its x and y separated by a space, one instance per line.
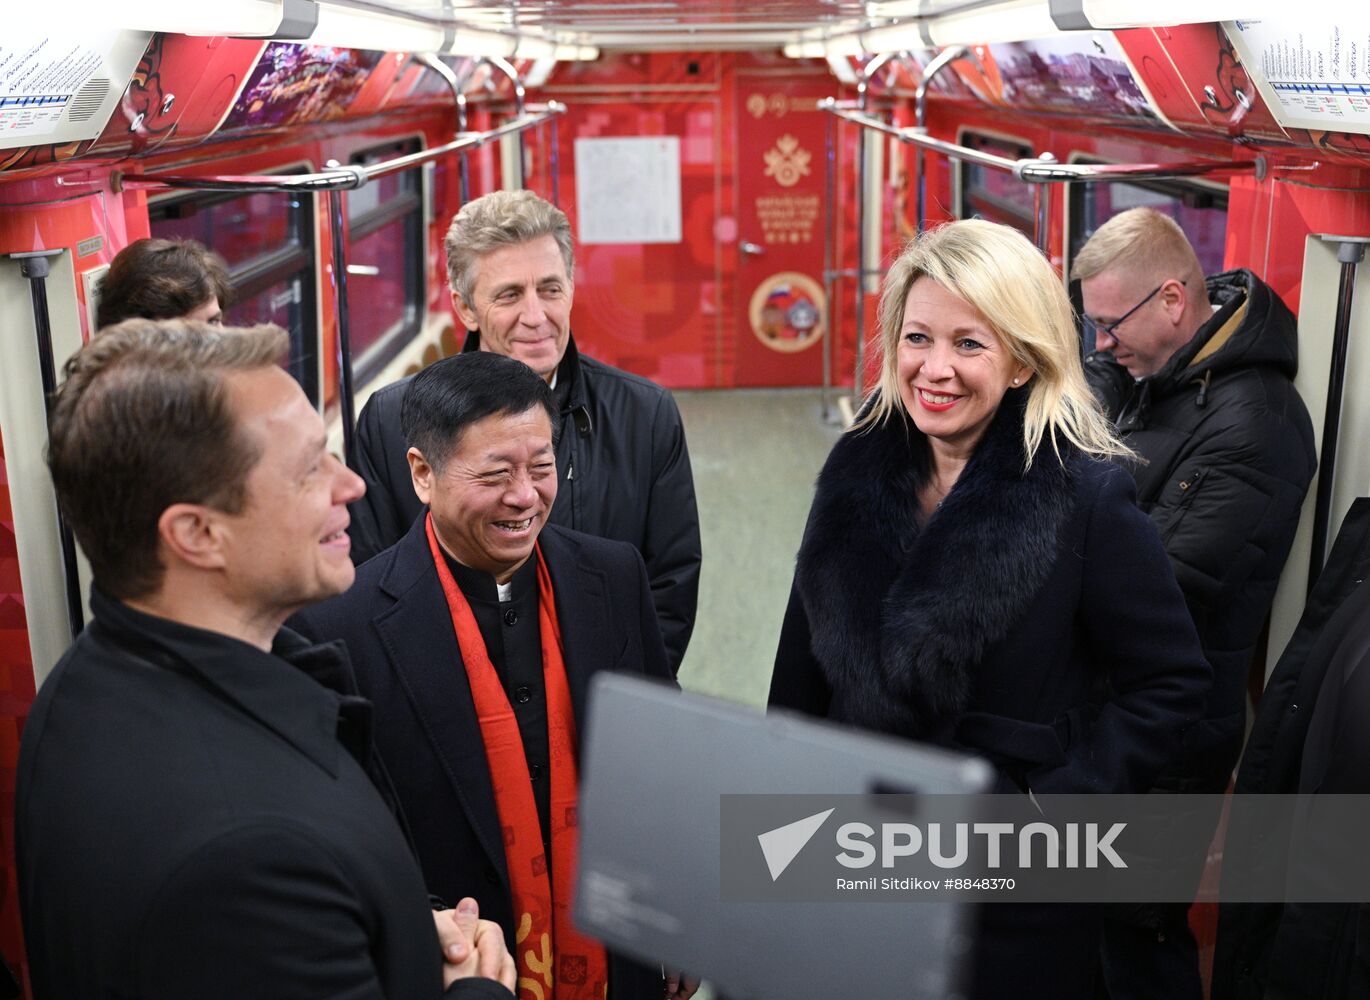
pixel 1110 328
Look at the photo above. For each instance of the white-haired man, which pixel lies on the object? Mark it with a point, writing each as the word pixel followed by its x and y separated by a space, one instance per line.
pixel 622 465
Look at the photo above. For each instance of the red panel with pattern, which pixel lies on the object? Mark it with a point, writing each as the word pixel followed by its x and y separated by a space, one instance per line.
pixel 16 694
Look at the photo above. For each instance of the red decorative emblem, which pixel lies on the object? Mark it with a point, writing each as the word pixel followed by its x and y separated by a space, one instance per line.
pixel 572 970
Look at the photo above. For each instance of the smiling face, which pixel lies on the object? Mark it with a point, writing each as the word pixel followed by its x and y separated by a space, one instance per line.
pixel 953 370
pixel 522 304
pixel 288 546
pixel 494 492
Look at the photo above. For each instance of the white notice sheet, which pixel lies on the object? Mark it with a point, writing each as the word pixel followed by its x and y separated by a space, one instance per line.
pixel 1312 75
pixel 628 189
pixel 62 86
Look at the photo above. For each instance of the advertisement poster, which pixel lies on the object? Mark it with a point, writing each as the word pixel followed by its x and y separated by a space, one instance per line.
pixel 294 84
pixel 1076 73
pixel 781 220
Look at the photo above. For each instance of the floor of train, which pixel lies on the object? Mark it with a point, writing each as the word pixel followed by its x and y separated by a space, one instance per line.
pixel 755 455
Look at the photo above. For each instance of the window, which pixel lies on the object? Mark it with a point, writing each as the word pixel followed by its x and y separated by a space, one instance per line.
pixel 268 240
pixel 996 195
pixel 1200 209
pixel 385 262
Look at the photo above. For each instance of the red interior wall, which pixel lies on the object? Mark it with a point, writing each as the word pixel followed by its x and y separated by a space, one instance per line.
pixel 16 694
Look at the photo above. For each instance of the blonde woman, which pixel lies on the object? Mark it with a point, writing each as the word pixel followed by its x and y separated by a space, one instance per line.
pixel 976 574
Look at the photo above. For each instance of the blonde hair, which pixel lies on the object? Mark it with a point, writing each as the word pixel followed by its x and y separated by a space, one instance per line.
pixel 1142 241
pixel 996 270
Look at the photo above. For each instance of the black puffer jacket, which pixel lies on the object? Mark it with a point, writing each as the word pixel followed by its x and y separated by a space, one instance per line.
pixel 623 472
pixel 1229 450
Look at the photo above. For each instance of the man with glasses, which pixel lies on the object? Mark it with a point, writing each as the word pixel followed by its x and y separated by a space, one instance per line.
pixel 1198 376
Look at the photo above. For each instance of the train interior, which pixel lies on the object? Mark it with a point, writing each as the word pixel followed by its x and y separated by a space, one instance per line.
pixel 737 176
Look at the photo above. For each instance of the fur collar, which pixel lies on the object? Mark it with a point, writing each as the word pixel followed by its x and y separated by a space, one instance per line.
pixel 901 613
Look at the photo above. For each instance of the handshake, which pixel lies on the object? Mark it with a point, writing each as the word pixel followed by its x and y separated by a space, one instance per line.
pixel 472 947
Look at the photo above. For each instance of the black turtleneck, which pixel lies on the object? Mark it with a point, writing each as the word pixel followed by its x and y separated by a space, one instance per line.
pixel 513 642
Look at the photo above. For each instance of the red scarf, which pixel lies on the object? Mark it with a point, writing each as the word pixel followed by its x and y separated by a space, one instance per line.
pixel 547 941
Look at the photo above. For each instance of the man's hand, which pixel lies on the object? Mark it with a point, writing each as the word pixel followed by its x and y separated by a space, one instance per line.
pixel 679 986
pixel 473 947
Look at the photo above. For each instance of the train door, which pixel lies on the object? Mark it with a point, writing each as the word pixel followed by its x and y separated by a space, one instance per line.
pixel 780 187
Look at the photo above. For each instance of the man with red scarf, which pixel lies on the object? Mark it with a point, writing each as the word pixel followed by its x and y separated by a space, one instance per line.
pixel 475 637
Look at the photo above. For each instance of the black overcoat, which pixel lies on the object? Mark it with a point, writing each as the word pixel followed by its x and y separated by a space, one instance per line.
pixel 399 632
pixel 1228 450
pixel 1034 619
pixel 1308 737
pixel 197 818
pixel 623 472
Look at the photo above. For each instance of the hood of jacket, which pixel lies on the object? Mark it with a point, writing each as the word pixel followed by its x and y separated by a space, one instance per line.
pixel 1250 327
pixel 900 612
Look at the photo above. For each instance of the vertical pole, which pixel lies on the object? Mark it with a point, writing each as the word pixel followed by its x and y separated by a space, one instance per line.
pixel 1350 255
pixel 921 211
pixel 463 167
pixel 554 162
pixel 36 270
pixel 858 377
pixel 1041 208
pixel 346 396
pixel 940 62
pixel 522 147
pixel 507 68
pixel 829 282
pixel 1041 204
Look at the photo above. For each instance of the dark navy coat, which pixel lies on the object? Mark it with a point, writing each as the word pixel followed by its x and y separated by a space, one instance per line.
pixel 1034 619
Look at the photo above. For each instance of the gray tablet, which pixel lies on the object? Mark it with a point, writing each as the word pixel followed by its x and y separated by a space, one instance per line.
pixel 657 767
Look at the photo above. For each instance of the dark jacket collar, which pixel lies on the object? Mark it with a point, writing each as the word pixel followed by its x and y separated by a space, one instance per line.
pixel 1249 326
pixel 899 612
pixel 568 374
pixel 297 690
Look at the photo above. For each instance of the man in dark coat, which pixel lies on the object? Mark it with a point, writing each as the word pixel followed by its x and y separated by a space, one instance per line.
pixel 1198 377
pixel 622 464
pixel 200 810
pixel 449 635
pixel 1309 736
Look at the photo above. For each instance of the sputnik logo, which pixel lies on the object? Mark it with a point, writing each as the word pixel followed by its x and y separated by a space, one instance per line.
pixel 783 844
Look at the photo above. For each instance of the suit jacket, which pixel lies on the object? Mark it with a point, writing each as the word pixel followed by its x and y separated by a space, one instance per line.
pixel 623 472
pixel 398 629
pixel 197 818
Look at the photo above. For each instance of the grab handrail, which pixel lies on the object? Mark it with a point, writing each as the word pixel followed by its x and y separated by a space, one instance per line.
pixel 336 179
pixel 345 178
pixel 1041 171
